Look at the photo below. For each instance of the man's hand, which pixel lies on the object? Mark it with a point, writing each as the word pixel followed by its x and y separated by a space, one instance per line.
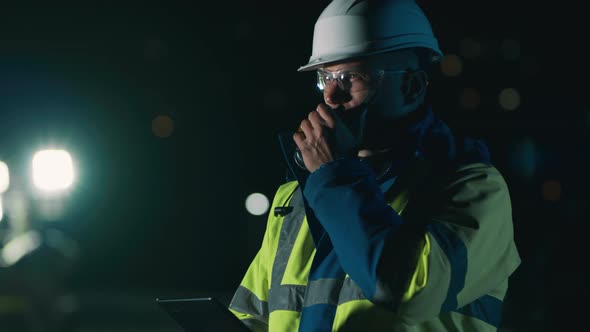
pixel 323 137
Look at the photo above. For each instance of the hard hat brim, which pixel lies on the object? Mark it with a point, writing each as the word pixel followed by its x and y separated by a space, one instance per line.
pixel 314 64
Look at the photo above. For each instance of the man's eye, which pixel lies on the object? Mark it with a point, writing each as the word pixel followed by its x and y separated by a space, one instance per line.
pixel 351 76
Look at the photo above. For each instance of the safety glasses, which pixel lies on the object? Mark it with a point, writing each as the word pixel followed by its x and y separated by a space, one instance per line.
pixel 351 80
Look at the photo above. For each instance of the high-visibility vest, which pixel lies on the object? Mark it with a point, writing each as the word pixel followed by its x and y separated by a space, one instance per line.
pixel 458 281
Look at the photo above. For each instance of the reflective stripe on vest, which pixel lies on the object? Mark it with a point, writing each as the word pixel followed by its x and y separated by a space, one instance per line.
pixel 323 291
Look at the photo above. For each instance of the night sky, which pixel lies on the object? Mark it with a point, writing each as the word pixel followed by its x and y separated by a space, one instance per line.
pixel 171 111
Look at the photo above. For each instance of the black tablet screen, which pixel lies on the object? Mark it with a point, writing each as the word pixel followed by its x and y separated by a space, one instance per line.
pixel 202 315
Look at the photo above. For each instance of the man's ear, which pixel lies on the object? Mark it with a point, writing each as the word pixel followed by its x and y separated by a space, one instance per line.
pixel 414 85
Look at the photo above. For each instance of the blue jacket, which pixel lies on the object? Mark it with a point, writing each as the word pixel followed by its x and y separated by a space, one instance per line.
pixel 424 245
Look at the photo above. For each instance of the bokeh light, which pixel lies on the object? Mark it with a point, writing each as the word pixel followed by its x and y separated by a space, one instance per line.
pixel 509 99
pixel 257 204
pixel 552 190
pixel 162 126
pixel 451 65
pixel 53 170
pixel 469 98
pixel 4 177
pixel 19 246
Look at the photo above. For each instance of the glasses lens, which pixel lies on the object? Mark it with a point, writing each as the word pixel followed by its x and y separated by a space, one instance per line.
pixel 345 80
pixel 350 81
pixel 324 78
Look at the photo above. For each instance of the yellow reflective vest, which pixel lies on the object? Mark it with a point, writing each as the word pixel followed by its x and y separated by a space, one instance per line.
pixel 452 276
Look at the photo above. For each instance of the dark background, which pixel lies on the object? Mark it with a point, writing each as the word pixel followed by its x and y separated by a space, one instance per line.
pixel 163 216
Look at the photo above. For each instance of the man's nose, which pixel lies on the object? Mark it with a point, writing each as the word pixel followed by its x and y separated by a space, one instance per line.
pixel 335 95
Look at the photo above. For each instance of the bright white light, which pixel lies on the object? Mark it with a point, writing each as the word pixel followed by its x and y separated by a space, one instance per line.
pixel 257 204
pixel 53 170
pixel 4 177
pixel 19 247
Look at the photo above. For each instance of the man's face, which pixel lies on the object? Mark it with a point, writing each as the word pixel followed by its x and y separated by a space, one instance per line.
pixel 357 84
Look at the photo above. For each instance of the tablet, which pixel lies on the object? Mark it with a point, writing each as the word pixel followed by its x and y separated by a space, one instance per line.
pixel 202 314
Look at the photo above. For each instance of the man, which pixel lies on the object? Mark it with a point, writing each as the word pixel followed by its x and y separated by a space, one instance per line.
pixel 387 221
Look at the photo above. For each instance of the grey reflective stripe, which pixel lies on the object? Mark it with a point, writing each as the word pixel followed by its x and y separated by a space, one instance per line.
pixel 286 297
pixel 294 297
pixel 245 301
pixel 254 324
pixel 350 292
pixel 323 291
pixel 289 231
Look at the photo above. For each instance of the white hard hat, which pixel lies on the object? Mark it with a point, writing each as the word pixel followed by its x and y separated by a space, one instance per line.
pixel 349 29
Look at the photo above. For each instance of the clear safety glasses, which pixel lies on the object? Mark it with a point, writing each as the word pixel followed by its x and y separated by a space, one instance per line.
pixel 351 80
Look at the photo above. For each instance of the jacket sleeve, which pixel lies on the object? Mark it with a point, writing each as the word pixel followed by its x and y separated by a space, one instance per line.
pixel 250 301
pixel 459 252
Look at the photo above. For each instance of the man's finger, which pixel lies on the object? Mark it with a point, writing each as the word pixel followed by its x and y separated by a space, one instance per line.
pixel 316 120
pixel 306 127
pixel 298 137
pixel 326 114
